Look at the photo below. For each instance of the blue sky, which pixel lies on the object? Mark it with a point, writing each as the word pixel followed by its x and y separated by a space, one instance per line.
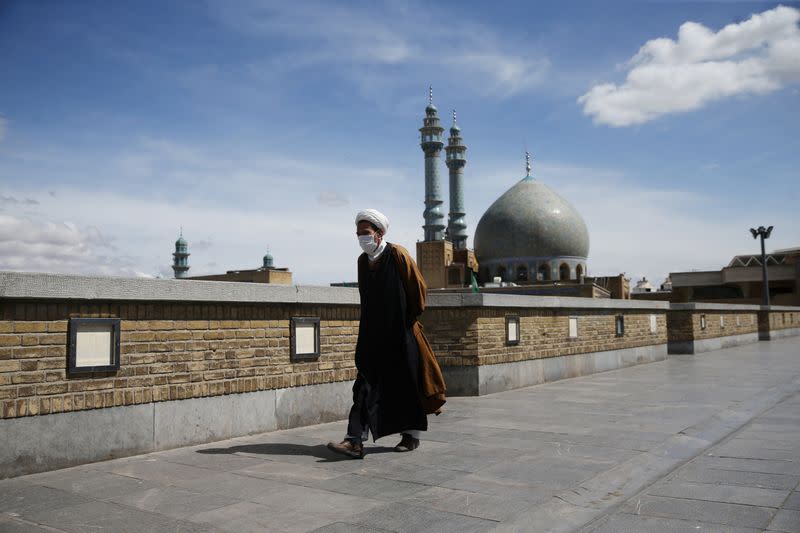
pixel 672 127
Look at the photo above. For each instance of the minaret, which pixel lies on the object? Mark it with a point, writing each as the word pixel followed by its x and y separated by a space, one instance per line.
pixel 456 160
pixel 180 263
pixel 431 143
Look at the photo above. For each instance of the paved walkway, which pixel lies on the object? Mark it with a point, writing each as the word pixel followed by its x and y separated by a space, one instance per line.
pixel 695 443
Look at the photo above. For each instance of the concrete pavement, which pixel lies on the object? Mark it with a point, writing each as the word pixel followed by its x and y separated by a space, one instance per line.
pixel 708 442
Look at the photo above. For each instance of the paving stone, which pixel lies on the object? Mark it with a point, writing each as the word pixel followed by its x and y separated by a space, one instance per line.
pixel 553 474
pixel 151 468
pixel 734 449
pixel 721 493
pixel 173 501
pixel 24 499
pixel 468 503
pixel 750 465
pixel 792 502
pixel 410 472
pixel 343 527
pixel 371 487
pixel 99 516
pixel 737 477
pixel 242 517
pixel 288 473
pixel 697 510
pixel 96 484
pixel 303 509
pixel 214 461
pixel 402 518
pixel 10 524
pixel 234 486
pixel 786 520
pixel 626 523
pixel 553 515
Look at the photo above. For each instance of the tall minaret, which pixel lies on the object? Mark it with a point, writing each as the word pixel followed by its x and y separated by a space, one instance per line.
pixel 456 160
pixel 180 263
pixel 431 143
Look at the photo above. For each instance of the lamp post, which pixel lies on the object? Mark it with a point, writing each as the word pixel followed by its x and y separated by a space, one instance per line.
pixel 764 233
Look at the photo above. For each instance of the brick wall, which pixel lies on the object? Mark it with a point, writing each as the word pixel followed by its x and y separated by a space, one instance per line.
pixel 784 320
pixel 477 336
pixel 227 338
pixel 167 352
pixel 687 325
pixel 748 323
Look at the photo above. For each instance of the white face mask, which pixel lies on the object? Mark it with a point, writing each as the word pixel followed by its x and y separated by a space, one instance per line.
pixel 367 243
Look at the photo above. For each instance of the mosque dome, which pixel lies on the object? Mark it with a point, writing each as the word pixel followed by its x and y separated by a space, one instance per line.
pixel 181 241
pixel 530 221
pixel 268 260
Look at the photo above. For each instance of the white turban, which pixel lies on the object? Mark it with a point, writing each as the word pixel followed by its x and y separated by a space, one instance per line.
pixel 374 216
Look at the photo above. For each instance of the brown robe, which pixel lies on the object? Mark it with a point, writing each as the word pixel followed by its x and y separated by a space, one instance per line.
pixel 432 386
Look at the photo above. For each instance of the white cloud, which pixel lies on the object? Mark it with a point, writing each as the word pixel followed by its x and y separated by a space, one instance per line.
pixel 239 204
pixel 332 199
pixel 759 55
pixel 42 245
pixel 5 199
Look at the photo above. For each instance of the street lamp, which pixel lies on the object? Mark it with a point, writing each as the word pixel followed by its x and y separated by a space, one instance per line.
pixel 764 233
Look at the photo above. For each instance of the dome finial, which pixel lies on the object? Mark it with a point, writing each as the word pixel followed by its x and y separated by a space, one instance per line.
pixel 528 163
pixel 430 94
pixel 454 117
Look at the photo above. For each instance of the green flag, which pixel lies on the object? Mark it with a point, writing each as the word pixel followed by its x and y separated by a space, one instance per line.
pixel 474 282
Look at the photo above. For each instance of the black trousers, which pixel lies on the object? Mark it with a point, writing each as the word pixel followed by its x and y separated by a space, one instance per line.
pixel 358 421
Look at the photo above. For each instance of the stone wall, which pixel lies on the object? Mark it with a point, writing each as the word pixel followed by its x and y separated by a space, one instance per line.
pixel 476 336
pixel 204 360
pixel 700 327
pixel 168 351
pixel 468 334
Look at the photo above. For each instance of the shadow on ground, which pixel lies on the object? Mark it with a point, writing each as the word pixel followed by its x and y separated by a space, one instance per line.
pixel 278 448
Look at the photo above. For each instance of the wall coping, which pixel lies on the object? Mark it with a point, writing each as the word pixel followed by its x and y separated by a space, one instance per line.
pixel 36 286
pixel 703 306
pixel 69 287
pixel 533 301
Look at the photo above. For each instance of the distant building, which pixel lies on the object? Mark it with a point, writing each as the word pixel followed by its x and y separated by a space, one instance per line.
pixel 266 274
pixel 618 287
pixel 180 258
pixel 642 286
pixel 741 280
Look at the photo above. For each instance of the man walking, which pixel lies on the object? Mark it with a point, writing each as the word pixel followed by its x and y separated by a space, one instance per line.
pixel 399 381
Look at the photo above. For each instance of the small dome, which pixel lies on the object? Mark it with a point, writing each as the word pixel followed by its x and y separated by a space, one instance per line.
pixel 455 129
pixel 530 221
pixel 431 109
pixel 181 241
pixel 268 261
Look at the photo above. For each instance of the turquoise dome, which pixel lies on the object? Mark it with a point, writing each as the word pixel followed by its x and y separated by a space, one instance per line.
pixel 530 221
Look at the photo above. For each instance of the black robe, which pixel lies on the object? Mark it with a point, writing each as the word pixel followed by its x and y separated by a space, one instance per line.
pixel 387 356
